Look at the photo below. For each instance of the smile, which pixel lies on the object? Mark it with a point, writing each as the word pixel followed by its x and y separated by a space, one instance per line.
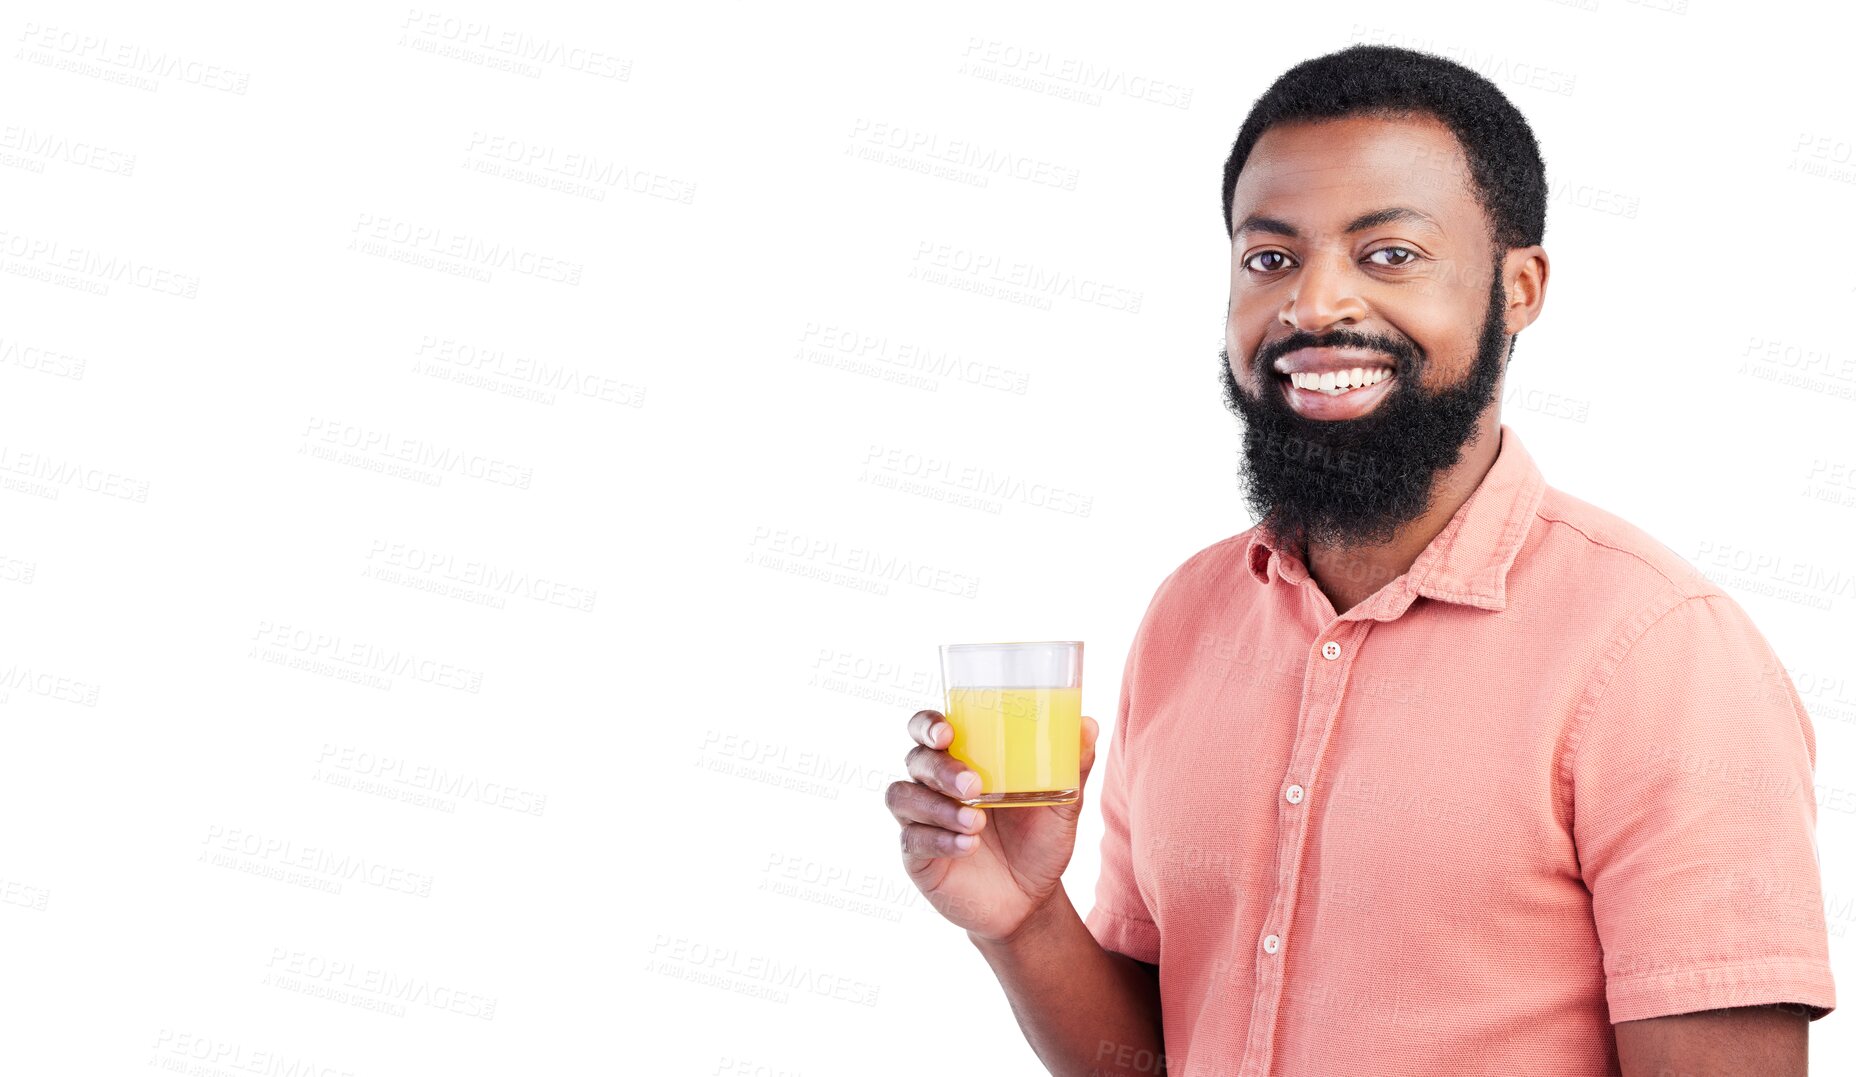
pixel 1340 381
pixel 1337 394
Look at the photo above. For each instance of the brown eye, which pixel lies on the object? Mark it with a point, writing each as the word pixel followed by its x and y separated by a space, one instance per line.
pixel 1409 256
pixel 1263 254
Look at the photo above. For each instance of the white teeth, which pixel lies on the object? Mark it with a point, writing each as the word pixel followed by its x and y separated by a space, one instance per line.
pixel 1340 381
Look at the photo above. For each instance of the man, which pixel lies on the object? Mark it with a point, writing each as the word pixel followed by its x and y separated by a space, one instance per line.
pixel 1436 769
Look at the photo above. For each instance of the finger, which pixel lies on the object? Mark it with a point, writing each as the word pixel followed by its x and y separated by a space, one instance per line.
pixel 1092 732
pixel 930 842
pixel 943 773
pixel 930 728
pixel 912 802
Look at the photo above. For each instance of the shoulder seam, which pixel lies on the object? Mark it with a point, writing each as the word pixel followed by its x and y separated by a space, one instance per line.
pixel 1596 541
pixel 1593 695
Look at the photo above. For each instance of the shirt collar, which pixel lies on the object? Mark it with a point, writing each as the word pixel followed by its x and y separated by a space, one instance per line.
pixel 1466 563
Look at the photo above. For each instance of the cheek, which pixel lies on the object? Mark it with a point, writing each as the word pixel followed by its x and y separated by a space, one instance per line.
pixel 1448 339
pixel 1244 331
pixel 1240 350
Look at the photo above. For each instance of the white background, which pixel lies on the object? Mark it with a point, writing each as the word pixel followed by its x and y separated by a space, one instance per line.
pixel 603 555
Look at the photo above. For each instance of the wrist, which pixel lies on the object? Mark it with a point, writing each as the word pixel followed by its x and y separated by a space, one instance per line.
pixel 1035 925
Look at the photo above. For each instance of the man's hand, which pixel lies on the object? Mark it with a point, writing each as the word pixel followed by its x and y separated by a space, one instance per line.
pixel 1011 859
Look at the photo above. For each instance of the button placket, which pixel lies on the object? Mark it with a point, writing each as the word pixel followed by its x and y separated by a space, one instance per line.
pixel 1325 698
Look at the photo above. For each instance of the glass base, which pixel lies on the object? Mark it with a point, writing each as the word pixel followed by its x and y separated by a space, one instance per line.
pixel 1022 800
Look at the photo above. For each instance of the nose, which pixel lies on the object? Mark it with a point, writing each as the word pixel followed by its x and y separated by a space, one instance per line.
pixel 1324 296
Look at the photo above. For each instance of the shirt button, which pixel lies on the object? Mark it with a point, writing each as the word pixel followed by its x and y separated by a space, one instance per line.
pixel 1271 943
pixel 1330 650
pixel 1293 794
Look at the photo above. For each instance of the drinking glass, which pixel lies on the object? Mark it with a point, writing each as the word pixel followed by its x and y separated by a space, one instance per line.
pixel 1017 713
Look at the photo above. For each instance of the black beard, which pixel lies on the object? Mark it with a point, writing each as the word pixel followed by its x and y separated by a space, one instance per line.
pixel 1355 482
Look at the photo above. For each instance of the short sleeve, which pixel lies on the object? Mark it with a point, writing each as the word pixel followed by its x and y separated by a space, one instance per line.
pixel 1120 920
pixel 1694 813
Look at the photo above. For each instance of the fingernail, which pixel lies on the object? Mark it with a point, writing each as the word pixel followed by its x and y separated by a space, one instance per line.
pixel 969 817
pixel 968 783
pixel 965 841
pixel 934 732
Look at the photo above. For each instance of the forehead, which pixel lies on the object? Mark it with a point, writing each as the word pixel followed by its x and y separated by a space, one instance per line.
pixel 1320 174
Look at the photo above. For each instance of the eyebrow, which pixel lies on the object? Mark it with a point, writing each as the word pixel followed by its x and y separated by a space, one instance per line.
pixel 1256 222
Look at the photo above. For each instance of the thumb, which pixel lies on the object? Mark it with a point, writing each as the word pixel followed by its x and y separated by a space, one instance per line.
pixel 1084 762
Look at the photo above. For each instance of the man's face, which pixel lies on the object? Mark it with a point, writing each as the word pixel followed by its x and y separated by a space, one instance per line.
pixel 1415 303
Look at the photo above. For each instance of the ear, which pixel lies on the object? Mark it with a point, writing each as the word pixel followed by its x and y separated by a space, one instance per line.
pixel 1524 280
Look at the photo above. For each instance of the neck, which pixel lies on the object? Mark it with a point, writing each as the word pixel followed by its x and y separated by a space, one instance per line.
pixel 1349 575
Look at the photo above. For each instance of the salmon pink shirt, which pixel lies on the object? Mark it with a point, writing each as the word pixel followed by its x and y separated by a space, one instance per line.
pixel 1550 779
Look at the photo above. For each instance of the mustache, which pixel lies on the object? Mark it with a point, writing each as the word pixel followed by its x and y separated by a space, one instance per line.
pixel 1402 354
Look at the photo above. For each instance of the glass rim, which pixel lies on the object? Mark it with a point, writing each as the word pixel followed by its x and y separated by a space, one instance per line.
pixel 1011 643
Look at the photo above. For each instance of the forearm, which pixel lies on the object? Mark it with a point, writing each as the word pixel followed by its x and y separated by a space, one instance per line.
pixel 1086 1011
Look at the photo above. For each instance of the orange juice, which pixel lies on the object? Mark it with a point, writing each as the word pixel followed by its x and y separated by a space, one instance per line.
pixel 1023 742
